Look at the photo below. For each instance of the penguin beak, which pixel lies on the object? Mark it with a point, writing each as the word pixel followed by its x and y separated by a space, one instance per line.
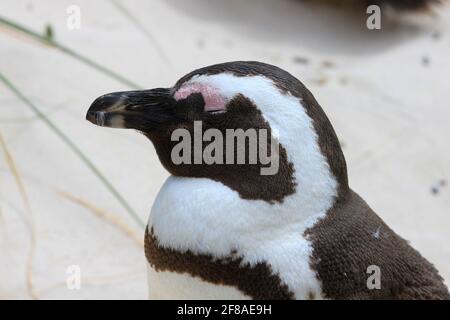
pixel 143 110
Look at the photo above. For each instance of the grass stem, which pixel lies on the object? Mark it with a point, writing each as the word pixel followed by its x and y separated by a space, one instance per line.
pixel 51 42
pixel 74 148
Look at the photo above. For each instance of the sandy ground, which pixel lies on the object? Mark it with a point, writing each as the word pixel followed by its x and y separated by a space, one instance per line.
pixel 386 92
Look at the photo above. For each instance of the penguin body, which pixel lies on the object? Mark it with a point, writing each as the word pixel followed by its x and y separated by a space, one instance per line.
pixel 221 231
pixel 398 5
pixel 406 4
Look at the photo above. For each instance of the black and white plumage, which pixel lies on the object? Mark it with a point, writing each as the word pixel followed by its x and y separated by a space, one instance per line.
pixel 225 231
pixel 405 4
pixel 398 5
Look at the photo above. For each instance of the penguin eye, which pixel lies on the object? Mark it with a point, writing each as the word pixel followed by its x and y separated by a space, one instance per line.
pixel 212 111
pixel 214 103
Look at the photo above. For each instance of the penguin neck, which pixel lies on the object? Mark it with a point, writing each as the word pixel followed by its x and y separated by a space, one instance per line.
pixel 316 188
pixel 206 216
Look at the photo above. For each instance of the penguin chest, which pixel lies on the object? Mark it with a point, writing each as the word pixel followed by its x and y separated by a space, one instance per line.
pixel 217 240
pixel 182 275
pixel 176 274
pixel 165 285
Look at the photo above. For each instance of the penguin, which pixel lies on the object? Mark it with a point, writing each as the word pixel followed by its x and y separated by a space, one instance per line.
pixel 397 5
pixel 227 231
pixel 405 5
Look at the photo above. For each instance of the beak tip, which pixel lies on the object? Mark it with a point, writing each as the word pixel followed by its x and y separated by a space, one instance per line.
pixel 99 109
pixel 96 117
pixel 90 116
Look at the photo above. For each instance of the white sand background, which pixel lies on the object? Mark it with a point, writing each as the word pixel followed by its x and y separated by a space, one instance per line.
pixel 386 93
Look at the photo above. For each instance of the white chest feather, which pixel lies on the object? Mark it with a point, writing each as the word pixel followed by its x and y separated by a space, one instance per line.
pixel 206 217
pixel 166 285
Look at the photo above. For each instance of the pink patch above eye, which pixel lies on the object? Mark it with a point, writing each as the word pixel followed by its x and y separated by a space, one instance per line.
pixel 213 100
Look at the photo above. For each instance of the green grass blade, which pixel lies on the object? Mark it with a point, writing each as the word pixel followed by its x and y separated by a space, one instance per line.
pixel 51 42
pixel 74 148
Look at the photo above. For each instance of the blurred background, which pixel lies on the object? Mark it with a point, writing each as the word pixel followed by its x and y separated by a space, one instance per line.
pixel 74 197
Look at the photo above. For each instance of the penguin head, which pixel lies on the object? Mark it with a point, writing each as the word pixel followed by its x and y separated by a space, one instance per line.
pixel 231 96
pixel 158 112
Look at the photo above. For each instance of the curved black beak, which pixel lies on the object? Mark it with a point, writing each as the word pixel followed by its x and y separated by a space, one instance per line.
pixel 142 110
